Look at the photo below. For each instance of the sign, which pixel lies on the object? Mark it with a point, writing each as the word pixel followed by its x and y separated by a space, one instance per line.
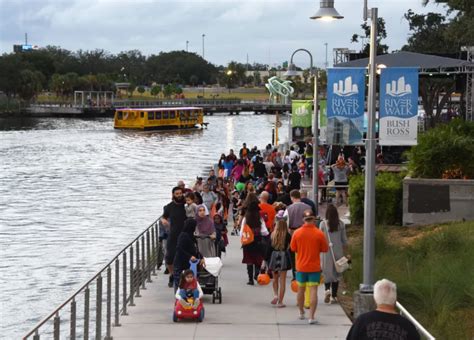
pixel 345 105
pixel 398 106
pixel 301 118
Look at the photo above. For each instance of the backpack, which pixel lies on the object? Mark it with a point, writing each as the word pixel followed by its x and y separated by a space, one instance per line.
pixel 247 235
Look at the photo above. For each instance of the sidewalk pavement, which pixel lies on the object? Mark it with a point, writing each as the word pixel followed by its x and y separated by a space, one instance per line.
pixel 245 312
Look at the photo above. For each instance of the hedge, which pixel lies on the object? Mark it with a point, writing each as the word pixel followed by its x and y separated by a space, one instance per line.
pixel 388 198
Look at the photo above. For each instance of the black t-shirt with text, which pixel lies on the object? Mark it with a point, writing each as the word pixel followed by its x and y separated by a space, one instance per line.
pixel 377 325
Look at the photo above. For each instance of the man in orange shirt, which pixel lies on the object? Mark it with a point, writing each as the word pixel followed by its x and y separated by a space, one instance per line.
pixel 267 209
pixel 308 242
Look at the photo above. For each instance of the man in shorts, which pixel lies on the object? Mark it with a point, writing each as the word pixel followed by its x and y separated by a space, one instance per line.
pixel 308 242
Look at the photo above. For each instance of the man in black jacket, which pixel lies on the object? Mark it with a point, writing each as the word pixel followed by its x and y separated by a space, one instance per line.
pixel 173 217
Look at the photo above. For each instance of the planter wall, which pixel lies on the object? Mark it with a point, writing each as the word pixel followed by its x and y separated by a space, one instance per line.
pixel 428 201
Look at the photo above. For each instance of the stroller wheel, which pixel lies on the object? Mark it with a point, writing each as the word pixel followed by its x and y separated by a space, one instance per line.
pixel 219 295
pixel 214 297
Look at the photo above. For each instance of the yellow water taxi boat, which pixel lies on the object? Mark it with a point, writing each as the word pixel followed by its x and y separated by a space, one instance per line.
pixel 162 118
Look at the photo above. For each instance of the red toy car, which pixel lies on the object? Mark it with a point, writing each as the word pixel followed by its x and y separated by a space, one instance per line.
pixel 182 312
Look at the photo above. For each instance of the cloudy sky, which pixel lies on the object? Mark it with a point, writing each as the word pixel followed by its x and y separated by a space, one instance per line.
pixel 265 30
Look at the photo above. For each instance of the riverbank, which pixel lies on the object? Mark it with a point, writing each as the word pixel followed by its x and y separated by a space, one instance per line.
pixel 432 267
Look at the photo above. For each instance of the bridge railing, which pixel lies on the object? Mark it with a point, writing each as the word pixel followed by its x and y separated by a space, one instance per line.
pixel 90 311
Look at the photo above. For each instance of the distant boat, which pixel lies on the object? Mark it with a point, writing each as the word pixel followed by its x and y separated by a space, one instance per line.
pixel 162 118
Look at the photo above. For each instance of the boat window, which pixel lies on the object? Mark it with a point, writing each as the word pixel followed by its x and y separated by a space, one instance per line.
pixel 172 115
pixel 165 114
pixel 142 114
pixel 151 115
pixel 119 115
pixel 158 115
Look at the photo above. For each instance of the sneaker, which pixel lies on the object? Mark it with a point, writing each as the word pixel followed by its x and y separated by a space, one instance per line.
pixel 334 300
pixel 250 283
pixel 171 282
pixel 281 305
pixel 312 322
pixel 274 301
pixel 327 296
pixel 166 271
pixel 301 317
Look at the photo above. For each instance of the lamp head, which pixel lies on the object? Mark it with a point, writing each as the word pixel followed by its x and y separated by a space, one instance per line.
pixel 326 11
pixel 291 71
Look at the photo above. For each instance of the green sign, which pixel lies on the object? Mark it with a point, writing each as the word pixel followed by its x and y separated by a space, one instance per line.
pixel 301 112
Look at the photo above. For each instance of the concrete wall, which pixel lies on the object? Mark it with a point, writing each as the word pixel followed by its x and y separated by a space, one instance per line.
pixel 427 201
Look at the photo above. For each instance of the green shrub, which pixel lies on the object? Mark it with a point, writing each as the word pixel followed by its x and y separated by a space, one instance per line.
pixel 434 276
pixel 444 148
pixel 388 198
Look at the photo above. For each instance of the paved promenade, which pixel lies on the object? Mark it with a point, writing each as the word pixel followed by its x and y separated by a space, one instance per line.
pixel 245 312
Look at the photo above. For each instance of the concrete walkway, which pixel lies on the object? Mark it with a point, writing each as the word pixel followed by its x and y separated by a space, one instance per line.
pixel 245 312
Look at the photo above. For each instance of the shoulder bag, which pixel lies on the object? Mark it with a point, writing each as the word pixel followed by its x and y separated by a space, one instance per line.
pixel 343 263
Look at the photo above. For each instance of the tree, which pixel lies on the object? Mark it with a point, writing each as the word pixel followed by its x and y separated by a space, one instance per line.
pixel 30 84
pixel 168 90
pixel 435 93
pixel 381 34
pixel 141 89
pixel 258 78
pixel 155 90
pixel 131 88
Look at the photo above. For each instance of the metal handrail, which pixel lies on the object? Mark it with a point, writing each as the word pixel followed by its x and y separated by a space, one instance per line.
pixel 417 325
pixel 145 264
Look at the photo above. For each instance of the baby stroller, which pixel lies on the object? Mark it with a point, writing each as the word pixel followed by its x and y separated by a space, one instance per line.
pixel 208 274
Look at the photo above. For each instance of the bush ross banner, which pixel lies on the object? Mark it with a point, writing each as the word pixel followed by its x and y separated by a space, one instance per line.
pixel 398 106
pixel 345 105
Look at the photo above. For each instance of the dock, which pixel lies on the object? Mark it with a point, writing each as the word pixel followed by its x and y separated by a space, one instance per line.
pixel 245 312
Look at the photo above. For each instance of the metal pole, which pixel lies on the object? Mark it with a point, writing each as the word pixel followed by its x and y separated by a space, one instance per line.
pixel 86 313
pixel 72 333
pixel 56 322
pixel 143 271
pixel 98 309
pixel 277 122
pixel 370 144
pixel 203 45
pixel 315 144
pixel 124 284
pixel 117 293
pixel 108 313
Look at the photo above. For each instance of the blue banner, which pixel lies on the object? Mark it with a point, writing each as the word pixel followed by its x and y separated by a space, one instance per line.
pixel 398 106
pixel 345 105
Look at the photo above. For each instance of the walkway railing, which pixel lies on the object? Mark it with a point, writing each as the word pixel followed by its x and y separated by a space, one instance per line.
pixel 124 277
pixel 418 326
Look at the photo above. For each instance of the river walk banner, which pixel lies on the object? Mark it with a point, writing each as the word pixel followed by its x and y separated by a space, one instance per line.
pixel 398 106
pixel 301 118
pixel 345 106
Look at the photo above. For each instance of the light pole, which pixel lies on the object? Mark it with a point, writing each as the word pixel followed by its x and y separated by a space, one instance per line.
pixel 327 7
pixel 203 36
pixel 187 44
pixel 292 72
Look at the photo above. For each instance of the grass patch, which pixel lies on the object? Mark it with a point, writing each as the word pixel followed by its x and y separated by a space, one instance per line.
pixel 433 269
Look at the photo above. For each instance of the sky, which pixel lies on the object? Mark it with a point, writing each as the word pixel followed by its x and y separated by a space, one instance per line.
pixel 267 31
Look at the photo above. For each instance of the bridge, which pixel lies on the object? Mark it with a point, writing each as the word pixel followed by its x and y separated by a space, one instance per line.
pixel 209 106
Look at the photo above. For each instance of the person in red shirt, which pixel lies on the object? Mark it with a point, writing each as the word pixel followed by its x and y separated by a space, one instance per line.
pixel 267 209
pixel 308 242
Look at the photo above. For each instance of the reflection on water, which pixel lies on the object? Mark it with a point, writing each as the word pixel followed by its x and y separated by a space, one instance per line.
pixel 73 192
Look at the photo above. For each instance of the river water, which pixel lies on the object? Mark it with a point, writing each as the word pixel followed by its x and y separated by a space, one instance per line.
pixel 73 192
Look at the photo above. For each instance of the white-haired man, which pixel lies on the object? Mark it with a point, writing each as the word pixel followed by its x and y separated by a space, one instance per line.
pixel 384 323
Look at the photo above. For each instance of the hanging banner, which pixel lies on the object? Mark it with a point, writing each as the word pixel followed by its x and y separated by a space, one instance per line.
pixel 398 106
pixel 301 118
pixel 345 106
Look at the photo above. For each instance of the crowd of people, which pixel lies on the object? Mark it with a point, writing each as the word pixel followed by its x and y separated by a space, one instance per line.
pixel 259 193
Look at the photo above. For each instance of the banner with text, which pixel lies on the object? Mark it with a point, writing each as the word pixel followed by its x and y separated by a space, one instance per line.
pixel 345 105
pixel 301 118
pixel 398 106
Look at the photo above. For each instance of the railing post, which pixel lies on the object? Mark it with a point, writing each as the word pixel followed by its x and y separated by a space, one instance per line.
pixel 108 323
pixel 98 309
pixel 36 336
pixel 143 272
pixel 149 263
pixel 86 313
pixel 124 283
pixel 137 276
pixel 72 334
pixel 132 291
pixel 57 323
pixel 158 246
pixel 153 252
pixel 117 293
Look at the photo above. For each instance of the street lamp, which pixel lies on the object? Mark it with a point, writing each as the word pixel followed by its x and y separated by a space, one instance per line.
pixel 326 11
pixel 291 73
pixel 203 36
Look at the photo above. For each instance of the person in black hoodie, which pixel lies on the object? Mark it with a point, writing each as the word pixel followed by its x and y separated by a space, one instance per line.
pixel 186 250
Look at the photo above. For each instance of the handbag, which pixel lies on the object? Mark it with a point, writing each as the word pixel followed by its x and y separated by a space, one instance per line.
pixel 343 263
